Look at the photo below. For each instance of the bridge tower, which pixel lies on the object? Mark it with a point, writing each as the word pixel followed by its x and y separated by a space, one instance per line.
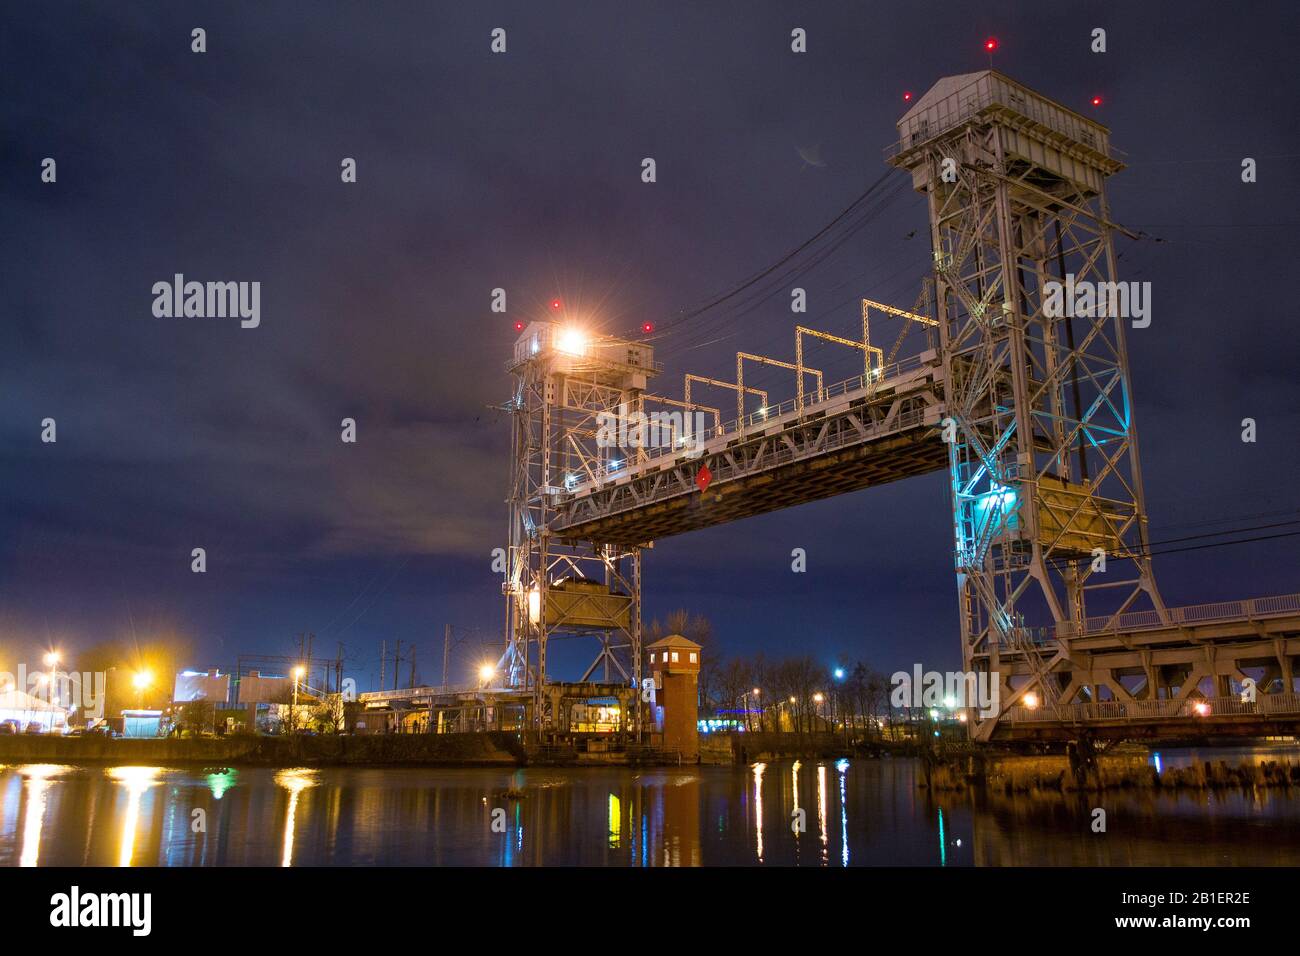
pixel 567 384
pixel 1043 453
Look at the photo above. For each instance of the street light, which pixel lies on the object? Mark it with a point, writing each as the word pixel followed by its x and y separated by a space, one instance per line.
pixel 486 673
pixel 293 708
pixel 141 680
pixel 52 662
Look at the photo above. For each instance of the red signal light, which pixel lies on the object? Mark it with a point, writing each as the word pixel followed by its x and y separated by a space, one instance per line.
pixel 1096 101
pixel 991 44
pixel 556 303
pixel 647 327
pixel 907 97
pixel 519 326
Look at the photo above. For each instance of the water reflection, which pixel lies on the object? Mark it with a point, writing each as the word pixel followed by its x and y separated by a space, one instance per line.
pixel 295 781
pixel 870 813
pixel 843 768
pixel 136 780
pixel 35 783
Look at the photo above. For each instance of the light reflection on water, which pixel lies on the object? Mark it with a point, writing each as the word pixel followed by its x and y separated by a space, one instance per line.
pixel 871 811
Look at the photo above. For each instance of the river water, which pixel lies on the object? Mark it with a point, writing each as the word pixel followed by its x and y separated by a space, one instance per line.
pixel 854 813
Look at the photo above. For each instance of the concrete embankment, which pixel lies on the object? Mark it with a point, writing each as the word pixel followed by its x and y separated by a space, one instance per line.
pixel 1021 774
pixel 463 750
pixel 749 747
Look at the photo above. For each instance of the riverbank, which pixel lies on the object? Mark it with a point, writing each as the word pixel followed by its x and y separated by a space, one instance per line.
pixel 1065 773
pixel 427 750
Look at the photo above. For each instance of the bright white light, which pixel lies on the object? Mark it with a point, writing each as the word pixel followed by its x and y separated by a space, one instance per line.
pixel 486 673
pixel 1031 701
pixel 534 606
pixel 572 341
pixel 950 702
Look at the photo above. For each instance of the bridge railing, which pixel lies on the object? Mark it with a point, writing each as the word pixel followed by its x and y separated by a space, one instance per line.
pixel 765 417
pixel 1263 705
pixel 1249 609
pixel 780 455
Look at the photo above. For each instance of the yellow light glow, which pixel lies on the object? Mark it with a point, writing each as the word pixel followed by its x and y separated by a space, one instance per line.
pixel 1031 701
pixel 486 673
pixel 136 780
pixel 299 671
pixel 818 698
pixel 142 679
pixel 295 781
pixel 51 658
pixel 572 341
pixel 534 606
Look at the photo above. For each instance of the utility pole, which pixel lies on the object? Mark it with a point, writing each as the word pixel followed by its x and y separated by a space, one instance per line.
pixel 383 662
pixel 338 670
pixel 412 682
pixel 446 653
pixel 397 661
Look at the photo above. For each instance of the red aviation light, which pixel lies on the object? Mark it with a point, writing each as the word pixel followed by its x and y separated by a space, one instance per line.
pixel 907 97
pixel 519 326
pixel 647 327
pixel 556 304
pixel 1096 101
pixel 991 44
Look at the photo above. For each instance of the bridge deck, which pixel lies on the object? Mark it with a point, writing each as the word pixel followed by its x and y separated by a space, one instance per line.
pixel 851 436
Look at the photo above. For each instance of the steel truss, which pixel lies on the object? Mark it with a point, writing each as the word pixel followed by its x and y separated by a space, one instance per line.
pixel 555 587
pixel 1046 481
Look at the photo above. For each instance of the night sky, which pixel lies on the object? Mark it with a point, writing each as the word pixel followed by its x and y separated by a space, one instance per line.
pixel 522 171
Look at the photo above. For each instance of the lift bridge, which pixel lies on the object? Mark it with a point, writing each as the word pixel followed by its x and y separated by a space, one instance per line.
pixel 1029 411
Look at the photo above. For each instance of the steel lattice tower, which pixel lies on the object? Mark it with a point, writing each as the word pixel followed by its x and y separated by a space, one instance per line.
pixel 566 382
pixel 1044 452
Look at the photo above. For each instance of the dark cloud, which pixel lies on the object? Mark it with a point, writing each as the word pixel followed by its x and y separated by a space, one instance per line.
pixel 522 171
